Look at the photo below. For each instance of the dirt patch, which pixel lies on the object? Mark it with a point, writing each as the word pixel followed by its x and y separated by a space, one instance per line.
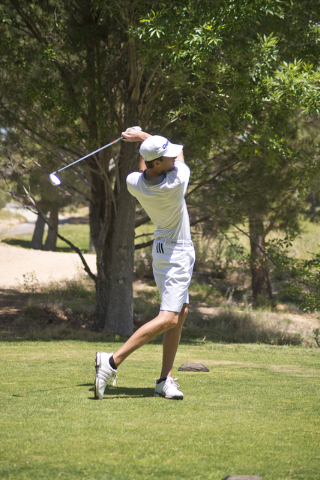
pixel 19 265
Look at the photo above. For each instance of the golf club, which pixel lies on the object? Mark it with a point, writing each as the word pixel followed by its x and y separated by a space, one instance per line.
pixel 56 181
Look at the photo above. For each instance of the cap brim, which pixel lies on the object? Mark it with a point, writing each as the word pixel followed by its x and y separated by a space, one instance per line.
pixel 173 150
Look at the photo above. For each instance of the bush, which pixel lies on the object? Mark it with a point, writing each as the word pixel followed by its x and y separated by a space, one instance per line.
pixel 143 264
pixel 3 197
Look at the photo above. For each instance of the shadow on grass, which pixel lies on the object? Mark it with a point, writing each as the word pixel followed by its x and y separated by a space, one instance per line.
pixel 15 242
pixel 114 393
pixel 19 242
pixel 111 393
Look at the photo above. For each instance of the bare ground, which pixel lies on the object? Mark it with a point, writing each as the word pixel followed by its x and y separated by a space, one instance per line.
pixel 19 264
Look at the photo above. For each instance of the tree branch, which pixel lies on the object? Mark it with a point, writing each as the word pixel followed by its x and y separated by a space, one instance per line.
pixel 216 174
pixel 143 245
pixel 32 28
pixel 141 221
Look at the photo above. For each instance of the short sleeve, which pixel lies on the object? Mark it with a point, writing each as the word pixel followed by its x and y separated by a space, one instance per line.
pixel 132 182
pixel 183 174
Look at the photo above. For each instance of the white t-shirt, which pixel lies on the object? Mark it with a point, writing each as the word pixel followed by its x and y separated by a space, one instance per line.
pixel 164 202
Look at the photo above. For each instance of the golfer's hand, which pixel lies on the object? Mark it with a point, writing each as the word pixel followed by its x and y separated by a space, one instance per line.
pixel 133 135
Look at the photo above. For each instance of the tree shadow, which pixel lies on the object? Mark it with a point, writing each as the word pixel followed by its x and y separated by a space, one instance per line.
pixel 20 242
pixel 111 393
pixel 114 393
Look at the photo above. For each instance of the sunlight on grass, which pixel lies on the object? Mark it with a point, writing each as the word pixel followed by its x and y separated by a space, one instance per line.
pixel 249 416
pixel 6 215
pixel 77 234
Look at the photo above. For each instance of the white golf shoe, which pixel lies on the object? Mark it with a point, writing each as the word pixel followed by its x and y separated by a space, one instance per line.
pixel 104 374
pixel 168 389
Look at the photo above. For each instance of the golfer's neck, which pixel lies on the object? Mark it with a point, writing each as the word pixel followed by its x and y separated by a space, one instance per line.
pixel 151 174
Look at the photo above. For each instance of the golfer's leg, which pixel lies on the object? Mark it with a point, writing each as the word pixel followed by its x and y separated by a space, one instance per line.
pixel 171 341
pixel 163 322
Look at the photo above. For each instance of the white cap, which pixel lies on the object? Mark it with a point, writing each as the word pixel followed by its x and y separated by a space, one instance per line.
pixel 156 146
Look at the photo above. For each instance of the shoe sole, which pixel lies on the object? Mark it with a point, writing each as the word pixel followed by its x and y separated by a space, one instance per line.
pixel 97 361
pixel 168 398
pixel 96 388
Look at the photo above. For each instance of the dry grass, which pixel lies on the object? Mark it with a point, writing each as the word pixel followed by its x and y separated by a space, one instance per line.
pixel 66 311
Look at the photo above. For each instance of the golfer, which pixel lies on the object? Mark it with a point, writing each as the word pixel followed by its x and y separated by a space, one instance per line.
pixel 160 189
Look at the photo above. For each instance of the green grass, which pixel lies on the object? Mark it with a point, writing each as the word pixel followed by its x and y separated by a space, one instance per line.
pixel 308 242
pixel 256 412
pixel 6 215
pixel 77 234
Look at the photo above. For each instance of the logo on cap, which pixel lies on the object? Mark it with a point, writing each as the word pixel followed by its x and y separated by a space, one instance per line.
pixel 165 145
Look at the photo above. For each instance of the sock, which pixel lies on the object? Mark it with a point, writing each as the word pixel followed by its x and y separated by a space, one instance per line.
pixel 111 363
pixel 161 380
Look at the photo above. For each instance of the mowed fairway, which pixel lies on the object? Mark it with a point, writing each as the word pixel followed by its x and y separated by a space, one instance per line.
pixel 256 412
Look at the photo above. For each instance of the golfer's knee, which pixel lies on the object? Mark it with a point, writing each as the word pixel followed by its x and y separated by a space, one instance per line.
pixel 183 314
pixel 184 310
pixel 169 319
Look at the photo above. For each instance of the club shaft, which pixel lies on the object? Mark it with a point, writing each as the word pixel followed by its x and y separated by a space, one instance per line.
pixel 89 154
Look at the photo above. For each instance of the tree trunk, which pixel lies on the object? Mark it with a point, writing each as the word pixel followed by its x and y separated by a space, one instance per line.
pixel 261 288
pixel 51 239
pixel 313 204
pixel 36 242
pixel 112 210
pixel 115 257
pixel 92 248
pixel 121 260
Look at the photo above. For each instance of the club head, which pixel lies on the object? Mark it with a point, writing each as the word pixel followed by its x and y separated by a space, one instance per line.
pixel 54 179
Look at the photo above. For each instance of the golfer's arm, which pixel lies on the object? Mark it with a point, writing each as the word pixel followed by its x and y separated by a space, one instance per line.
pixel 135 135
pixel 143 136
pixel 180 157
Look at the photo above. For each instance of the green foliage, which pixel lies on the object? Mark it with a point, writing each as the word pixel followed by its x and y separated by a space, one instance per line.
pixel 316 333
pixel 3 197
pixel 302 276
pixel 305 282
pixel 235 82
pixel 295 83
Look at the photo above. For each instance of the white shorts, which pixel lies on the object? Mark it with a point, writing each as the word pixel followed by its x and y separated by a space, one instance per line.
pixel 173 262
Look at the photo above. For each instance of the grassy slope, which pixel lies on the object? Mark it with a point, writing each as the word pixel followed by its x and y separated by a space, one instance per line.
pixel 78 234
pixel 5 215
pixel 256 412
